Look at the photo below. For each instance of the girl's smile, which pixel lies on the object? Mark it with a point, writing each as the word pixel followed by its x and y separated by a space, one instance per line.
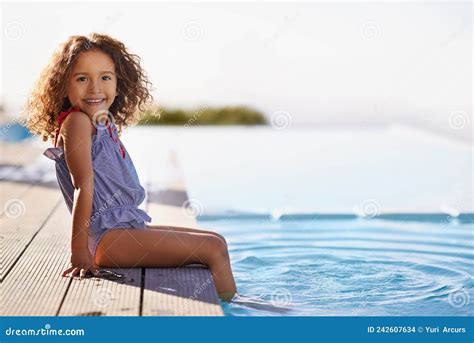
pixel 94 102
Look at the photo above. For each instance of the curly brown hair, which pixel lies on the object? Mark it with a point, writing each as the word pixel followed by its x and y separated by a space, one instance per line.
pixel 48 97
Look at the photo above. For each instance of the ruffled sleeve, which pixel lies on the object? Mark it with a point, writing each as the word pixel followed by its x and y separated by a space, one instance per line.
pixel 54 153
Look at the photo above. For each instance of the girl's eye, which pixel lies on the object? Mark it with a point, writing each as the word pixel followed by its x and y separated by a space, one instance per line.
pixel 105 77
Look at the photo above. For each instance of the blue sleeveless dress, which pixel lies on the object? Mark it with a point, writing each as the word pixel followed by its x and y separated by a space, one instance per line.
pixel 117 189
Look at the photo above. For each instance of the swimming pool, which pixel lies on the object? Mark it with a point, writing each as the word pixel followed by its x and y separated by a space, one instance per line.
pixel 336 222
pixel 349 267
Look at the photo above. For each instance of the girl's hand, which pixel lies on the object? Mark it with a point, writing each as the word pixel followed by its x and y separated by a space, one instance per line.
pixel 81 263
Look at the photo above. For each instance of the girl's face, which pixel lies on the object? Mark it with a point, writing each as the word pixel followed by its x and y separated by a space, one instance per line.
pixel 93 83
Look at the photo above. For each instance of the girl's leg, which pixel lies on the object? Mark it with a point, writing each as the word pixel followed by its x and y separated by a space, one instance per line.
pixel 130 248
pixel 185 229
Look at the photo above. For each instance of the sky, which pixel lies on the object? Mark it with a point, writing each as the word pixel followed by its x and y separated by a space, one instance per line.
pixel 318 62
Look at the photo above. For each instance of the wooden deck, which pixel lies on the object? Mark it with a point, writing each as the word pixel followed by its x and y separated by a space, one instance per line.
pixel 35 250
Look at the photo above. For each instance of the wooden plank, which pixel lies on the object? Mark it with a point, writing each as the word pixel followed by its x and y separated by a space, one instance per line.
pixel 22 220
pixel 34 287
pixel 184 291
pixel 102 297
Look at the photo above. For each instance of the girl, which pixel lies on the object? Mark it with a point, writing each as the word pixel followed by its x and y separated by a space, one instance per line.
pixel 91 87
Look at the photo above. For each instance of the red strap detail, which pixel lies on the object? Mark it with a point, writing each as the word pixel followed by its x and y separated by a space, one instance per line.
pixel 109 129
pixel 122 150
pixel 115 139
pixel 61 117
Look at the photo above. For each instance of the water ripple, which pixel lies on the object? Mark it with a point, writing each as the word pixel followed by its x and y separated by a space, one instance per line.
pixel 350 267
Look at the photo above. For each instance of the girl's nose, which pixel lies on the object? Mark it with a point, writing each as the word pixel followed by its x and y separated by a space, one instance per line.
pixel 94 87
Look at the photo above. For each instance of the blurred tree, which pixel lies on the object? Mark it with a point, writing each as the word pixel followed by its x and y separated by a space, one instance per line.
pixel 229 115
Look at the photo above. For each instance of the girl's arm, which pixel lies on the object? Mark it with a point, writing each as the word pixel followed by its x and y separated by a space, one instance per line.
pixel 77 131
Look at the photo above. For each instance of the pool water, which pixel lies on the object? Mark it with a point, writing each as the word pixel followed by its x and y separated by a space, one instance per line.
pixel 349 267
